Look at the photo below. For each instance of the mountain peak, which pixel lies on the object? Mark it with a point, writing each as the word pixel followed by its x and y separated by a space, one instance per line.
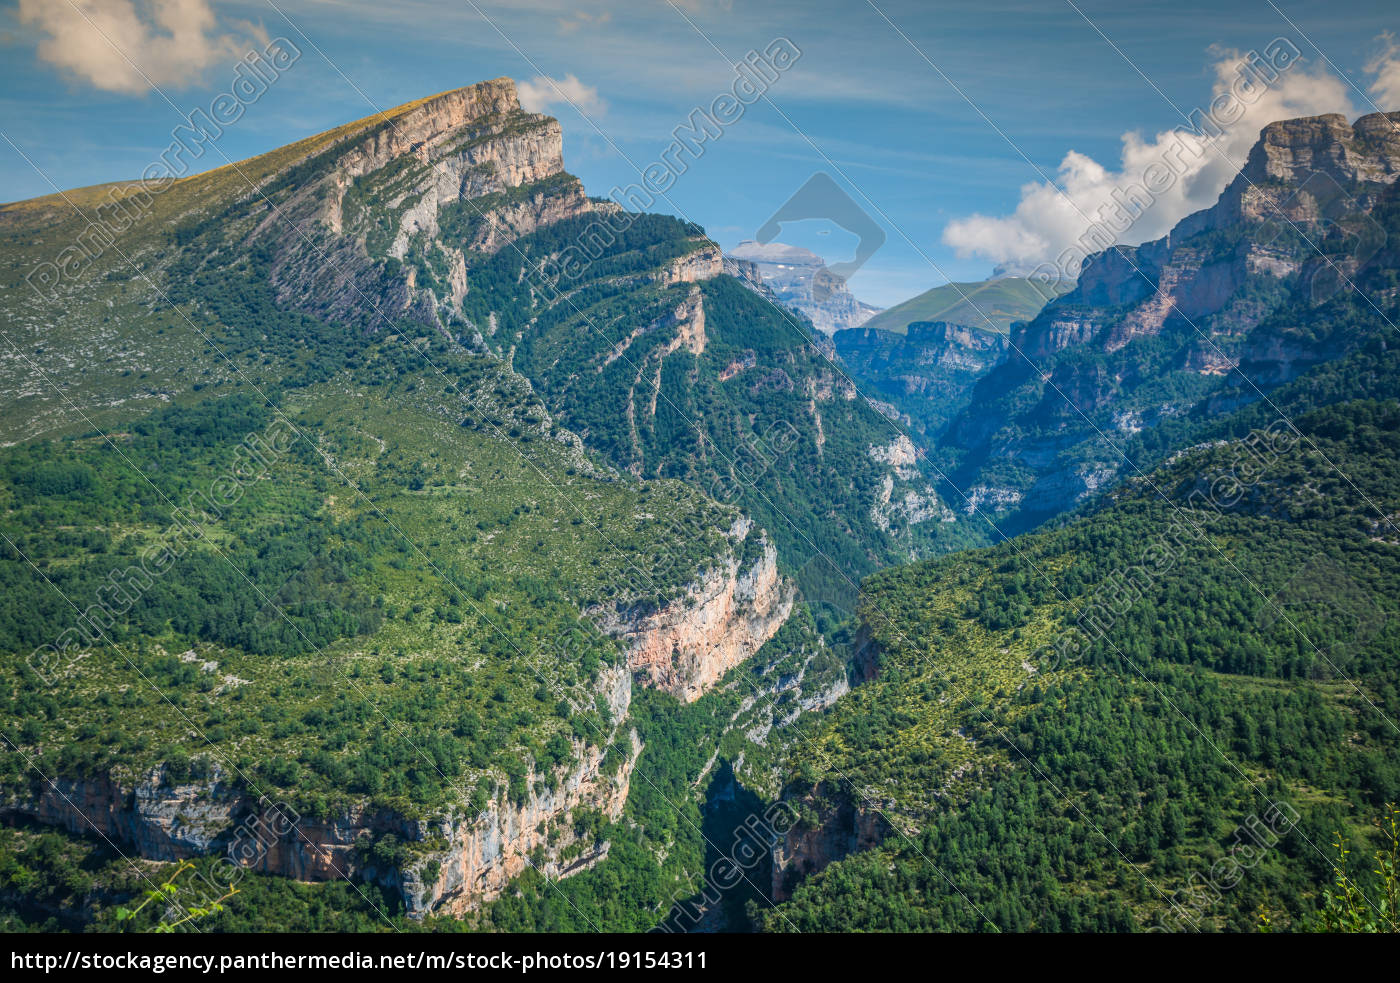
pixel 799 279
pixel 1367 151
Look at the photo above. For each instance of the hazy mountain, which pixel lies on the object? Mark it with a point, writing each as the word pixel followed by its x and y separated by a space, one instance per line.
pixel 799 279
pixel 991 305
pixel 1291 268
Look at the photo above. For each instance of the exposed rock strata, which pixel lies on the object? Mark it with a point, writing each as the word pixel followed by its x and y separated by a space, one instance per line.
pixel 474 855
pixel 721 620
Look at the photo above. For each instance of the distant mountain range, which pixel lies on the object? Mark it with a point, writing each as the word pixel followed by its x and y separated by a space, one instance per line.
pixel 799 279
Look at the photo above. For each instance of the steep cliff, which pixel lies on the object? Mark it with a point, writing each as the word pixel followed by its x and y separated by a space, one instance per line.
pixel 1238 298
pixel 722 619
pixel 453 863
pixel 799 279
pixel 927 373
pixel 832 826
pixel 385 227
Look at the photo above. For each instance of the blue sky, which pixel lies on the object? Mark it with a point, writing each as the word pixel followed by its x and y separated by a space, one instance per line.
pixel 973 133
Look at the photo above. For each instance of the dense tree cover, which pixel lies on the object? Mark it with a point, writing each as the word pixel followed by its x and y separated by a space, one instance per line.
pixel 399 638
pixel 659 853
pixel 757 418
pixel 1230 662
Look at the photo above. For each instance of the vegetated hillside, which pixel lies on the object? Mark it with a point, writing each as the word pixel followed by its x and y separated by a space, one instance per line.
pixel 988 305
pixel 671 368
pixel 460 217
pixel 289 544
pixel 1155 715
pixel 1295 265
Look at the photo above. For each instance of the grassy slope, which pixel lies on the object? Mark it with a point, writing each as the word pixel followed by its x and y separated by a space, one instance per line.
pixel 1000 302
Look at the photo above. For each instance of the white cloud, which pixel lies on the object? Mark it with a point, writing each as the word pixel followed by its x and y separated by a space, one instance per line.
pixel 1385 66
pixel 1057 222
pixel 118 46
pixel 582 18
pixel 542 92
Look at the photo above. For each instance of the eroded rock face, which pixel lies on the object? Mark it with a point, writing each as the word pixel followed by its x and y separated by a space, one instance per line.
pixel 694 266
pixel 1300 171
pixel 1216 295
pixel 486 851
pixel 841 827
pixel 722 619
pixel 800 280
pixel 471 857
pixel 385 198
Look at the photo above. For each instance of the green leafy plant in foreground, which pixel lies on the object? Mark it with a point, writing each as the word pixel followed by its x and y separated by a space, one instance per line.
pixel 168 891
pixel 1372 905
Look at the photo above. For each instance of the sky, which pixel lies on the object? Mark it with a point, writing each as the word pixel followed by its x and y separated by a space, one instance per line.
pixel 954 138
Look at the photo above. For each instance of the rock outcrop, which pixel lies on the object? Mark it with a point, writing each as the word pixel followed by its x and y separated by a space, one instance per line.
pixel 833 827
pixel 928 373
pixel 384 192
pixel 718 622
pixel 1206 316
pixel 457 862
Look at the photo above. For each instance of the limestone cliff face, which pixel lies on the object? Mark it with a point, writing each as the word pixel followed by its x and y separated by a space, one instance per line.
pixel 459 861
pixel 800 280
pixel 484 852
pixel 700 264
pixel 1229 288
pixel 927 373
pixel 384 195
pixel 722 619
pixel 1300 172
pixel 1293 163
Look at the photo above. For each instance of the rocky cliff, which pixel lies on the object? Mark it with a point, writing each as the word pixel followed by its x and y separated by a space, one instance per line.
pixel 927 374
pixel 832 826
pixel 1319 174
pixel 455 862
pixel 721 620
pixel 1233 301
pixel 370 243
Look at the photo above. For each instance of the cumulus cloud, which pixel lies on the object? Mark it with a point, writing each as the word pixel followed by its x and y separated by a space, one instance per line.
pixel 1157 181
pixel 1385 66
pixel 542 92
pixel 120 46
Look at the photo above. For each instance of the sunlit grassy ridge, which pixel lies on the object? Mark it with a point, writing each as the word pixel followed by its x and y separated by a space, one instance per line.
pixel 991 305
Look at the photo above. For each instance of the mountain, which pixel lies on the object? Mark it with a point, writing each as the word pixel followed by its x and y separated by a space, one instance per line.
pixel 991 305
pixel 396 534
pixel 343 537
pixel 1165 706
pixel 1159 338
pixel 800 280
pixel 1157 716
